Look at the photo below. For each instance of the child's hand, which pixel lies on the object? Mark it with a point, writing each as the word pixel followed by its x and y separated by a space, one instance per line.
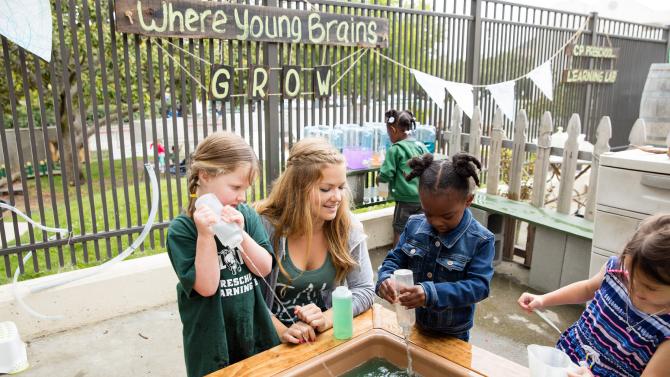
pixel 530 302
pixel 412 297
pixel 387 291
pixel 313 316
pixel 580 372
pixel 204 218
pixel 298 333
pixel 230 215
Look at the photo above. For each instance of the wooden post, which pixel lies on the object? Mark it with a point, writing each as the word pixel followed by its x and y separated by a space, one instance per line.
pixel 515 174
pixel 455 131
pixel 569 165
pixel 603 135
pixel 518 155
pixel 638 134
pixel 542 160
pixel 475 146
pixel 497 135
pixel 539 178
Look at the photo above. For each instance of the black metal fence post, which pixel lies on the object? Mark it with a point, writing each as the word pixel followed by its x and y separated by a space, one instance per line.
pixel 474 52
pixel 271 112
pixel 586 117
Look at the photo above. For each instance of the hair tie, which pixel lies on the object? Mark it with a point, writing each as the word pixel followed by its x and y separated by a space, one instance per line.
pixel 391 120
pixel 193 195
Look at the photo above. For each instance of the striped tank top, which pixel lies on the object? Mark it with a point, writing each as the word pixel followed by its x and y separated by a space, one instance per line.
pixel 602 338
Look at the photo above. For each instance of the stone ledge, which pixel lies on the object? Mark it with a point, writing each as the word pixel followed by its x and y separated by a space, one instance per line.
pixel 127 287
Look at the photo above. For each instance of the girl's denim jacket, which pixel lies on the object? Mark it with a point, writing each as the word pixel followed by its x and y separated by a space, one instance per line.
pixel 454 269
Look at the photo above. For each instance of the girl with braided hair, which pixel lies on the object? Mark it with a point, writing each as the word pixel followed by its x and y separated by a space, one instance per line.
pixel 319 244
pixel 450 253
pixel 222 310
pixel 399 125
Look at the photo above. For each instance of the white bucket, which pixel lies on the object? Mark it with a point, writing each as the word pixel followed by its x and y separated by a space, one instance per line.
pixel 13 357
pixel 548 362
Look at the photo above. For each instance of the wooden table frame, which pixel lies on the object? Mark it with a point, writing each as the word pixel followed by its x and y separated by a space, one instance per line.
pixel 283 357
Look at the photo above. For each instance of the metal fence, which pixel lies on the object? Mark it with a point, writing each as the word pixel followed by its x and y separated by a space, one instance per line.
pixel 113 95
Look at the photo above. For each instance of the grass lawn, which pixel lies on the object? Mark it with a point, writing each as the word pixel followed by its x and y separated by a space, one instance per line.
pixel 128 212
pixel 135 214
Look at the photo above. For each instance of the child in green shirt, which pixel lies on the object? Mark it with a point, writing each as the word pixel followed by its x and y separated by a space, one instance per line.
pixel 223 312
pixel 399 126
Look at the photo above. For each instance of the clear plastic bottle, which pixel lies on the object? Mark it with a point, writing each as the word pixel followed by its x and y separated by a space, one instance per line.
pixel 337 138
pixel 426 135
pixel 367 144
pixel 343 313
pixel 406 317
pixel 229 234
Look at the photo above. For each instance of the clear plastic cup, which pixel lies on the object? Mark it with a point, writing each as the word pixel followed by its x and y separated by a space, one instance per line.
pixel 546 361
pixel 13 356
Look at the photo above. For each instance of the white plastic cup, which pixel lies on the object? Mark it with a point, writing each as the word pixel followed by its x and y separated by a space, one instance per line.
pixel 546 361
pixel 406 317
pixel 227 233
pixel 13 356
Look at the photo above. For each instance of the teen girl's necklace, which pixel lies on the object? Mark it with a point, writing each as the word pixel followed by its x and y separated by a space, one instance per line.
pixel 644 318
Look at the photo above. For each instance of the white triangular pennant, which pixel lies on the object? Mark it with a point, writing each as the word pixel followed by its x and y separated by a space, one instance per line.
pixel 28 24
pixel 462 94
pixel 433 86
pixel 542 78
pixel 503 94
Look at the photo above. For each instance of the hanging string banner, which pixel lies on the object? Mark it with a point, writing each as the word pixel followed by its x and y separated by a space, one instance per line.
pixel 209 19
pixel 543 79
pixel 433 86
pixel 502 93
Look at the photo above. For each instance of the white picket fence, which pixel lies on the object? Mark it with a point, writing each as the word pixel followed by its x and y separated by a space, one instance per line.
pixel 570 158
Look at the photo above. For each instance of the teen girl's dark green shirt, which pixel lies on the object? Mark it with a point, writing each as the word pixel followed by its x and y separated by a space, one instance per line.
pixel 302 288
pixel 232 324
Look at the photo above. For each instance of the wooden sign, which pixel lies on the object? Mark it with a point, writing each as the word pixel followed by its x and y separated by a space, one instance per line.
pixel 291 83
pixel 589 76
pixel 209 19
pixel 322 81
pixel 257 83
pixel 592 51
pixel 221 82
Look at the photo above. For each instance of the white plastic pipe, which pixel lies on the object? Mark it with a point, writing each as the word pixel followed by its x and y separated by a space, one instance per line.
pixel 93 270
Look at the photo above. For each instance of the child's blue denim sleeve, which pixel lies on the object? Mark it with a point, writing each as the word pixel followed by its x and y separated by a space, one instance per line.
pixel 395 259
pixel 472 289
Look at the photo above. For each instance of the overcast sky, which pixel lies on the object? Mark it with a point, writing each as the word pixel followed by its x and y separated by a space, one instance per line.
pixel 642 11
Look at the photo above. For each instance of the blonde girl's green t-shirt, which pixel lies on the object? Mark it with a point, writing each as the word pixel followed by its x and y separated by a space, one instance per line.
pixel 235 322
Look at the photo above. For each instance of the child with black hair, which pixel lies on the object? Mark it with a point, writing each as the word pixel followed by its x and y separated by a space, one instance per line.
pixel 450 253
pixel 399 126
pixel 625 329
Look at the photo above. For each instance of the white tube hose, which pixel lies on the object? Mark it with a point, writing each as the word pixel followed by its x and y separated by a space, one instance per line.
pixel 93 270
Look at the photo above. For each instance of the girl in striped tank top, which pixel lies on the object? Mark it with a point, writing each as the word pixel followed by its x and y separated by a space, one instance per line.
pixel 625 330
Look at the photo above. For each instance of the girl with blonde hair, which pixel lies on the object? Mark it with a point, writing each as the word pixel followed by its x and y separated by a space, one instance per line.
pixel 221 306
pixel 318 242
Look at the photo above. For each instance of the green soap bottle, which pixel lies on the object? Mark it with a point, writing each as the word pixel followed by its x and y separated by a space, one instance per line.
pixel 343 313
